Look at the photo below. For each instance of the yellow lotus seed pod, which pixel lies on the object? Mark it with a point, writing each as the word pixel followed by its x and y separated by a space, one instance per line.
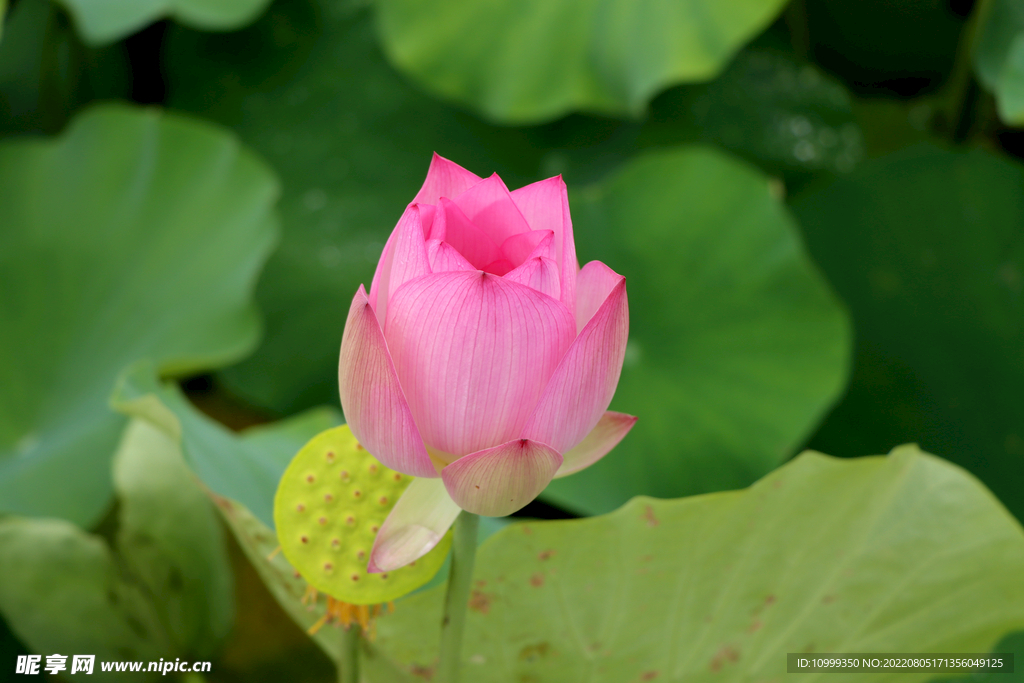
pixel 330 503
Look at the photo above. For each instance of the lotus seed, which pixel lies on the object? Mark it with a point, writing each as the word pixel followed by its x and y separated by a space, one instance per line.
pixel 304 539
pixel 300 507
pixel 383 500
pixel 361 555
pixel 350 520
pixel 355 577
pixel 322 520
pixel 328 566
pixel 374 528
pixel 328 497
pixel 357 493
pixel 310 478
pixel 373 468
pixel 330 456
pixel 335 543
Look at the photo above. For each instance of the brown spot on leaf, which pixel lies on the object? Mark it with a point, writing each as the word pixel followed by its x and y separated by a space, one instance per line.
pixel 828 599
pixel 480 601
pixel 726 653
pixel 537 580
pixel 755 627
pixel 527 530
pixel 532 653
pixel 545 555
pixel 648 675
pixel 652 521
pixel 424 672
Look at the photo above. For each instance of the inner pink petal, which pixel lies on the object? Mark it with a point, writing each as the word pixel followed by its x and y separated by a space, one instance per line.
pixel 444 258
pixel 451 225
pixel 473 353
pixel 533 244
pixel 490 207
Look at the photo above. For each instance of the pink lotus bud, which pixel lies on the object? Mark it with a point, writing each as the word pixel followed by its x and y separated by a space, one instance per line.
pixel 483 359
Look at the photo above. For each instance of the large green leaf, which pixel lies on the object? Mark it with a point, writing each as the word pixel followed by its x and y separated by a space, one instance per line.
pixel 240 473
pixel 780 112
pixel 245 470
pixel 307 87
pixel 133 235
pixel 518 61
pixel 104 21
pixel 999 56
pixel 62 591
pixel 904 553
pixel 164 590
pixel 171 540
pixel 927 248
pixel 737 347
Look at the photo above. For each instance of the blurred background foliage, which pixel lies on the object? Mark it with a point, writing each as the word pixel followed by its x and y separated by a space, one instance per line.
pixel 819 207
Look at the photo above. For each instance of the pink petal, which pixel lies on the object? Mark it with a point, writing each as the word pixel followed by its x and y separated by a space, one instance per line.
pixel 452 226
pixel 499 267
pixel 500 480
pixel 371 397
pixel 415 525
pixel 583 385
pixel 404 257
pixel 474 353
pixel 606 435
pixel 444 179
pixel 537 273
pixel 545 204
pixel 518 248
pixel 593 285
pixel 489 205
pixel 444 258
pixel 383 264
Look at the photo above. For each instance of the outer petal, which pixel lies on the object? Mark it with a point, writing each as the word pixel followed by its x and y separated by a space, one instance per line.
pixel 581 389
pixel 537 273
pixel 371 397
pixel 489 205
pixel 445 179
pixel 610 430
pixel 474 352
pixel 404 257
pixel 445 258
pixel 416 524
pixel 545 204
pixel 500 480
pixel 593 285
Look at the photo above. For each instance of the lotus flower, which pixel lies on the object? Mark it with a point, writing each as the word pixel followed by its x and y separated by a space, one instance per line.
pixel 483 360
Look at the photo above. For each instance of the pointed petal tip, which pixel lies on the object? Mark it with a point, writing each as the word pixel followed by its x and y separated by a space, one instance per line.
pixel 606 435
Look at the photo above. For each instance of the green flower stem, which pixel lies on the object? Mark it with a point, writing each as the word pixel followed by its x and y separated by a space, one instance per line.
pixel 348 668
pixel 460 579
